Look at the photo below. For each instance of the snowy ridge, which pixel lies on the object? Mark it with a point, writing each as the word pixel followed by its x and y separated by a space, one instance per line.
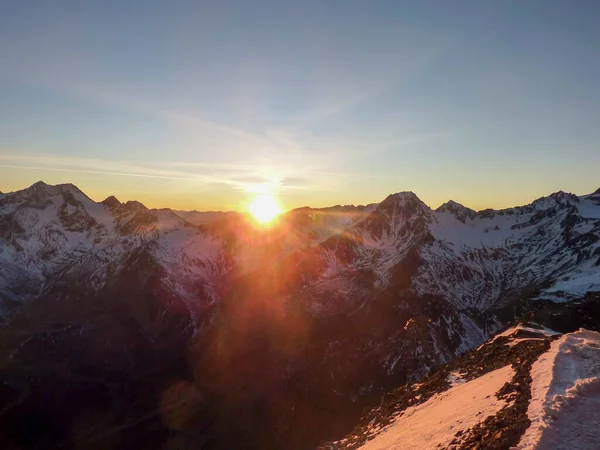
pixel 50 232
pixel 471 259
pixel 552 243
pixel 549 249
pixel 439 270
pixel 473 402
pixel 565 391
pixel 490 262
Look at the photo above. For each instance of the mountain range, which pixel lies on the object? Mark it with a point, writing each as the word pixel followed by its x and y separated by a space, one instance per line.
pixel 126 327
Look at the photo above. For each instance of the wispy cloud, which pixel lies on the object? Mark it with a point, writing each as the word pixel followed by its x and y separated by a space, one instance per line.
pixel 243 178
pixel 114 168
pixel 281 158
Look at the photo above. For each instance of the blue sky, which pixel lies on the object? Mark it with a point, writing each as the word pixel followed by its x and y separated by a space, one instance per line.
pixel 201 105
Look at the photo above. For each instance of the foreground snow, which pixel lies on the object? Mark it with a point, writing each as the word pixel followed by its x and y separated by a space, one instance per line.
pixel 435 422
pixel 564 408
pixel 565 404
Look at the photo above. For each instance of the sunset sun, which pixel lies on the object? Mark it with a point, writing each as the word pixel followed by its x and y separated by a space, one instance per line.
pixel 264 208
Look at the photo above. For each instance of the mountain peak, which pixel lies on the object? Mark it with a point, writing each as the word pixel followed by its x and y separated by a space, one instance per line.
pixel 559 198
pixel 404 197
pixel 404 204
pixel 40 192
pixel 450 204
pixel 135 205
pixel 69 188
pixel 459 211
pixel 562 195
pixel 111 202
pixel 38 185
pixel 41 187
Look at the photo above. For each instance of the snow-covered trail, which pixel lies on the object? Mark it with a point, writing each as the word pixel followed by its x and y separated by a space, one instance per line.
pixel 565 406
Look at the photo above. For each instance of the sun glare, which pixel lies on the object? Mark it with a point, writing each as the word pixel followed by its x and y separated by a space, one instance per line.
pixel 264 208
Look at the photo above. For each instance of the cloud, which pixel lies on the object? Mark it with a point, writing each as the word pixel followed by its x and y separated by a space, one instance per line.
pixel 295 182
pixel 241 178
pixel 281 158
pixel 112 168
pixel 256 179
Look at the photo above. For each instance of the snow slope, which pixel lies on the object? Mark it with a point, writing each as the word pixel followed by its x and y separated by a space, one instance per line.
pixel 434 423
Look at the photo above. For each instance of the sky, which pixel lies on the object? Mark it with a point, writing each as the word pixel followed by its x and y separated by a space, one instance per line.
pixel 203 105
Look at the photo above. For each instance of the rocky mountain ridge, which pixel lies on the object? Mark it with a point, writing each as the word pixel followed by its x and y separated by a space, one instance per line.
pixel 310 320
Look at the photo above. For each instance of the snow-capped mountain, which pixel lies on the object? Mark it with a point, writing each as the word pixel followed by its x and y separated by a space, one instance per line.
pixel 48 233
pixel 55 234
pixel 309 320
pixel 474 260
pixel 482 260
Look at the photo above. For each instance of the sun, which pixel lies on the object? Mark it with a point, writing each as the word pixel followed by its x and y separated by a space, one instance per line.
pixel 264 208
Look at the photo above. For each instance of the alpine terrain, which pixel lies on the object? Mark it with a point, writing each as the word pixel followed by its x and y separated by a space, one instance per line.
pixel 128 327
